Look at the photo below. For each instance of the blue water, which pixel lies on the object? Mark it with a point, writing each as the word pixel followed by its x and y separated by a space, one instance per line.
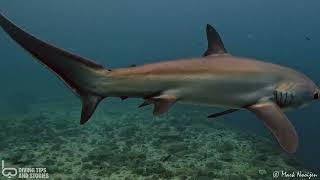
pixel 121 33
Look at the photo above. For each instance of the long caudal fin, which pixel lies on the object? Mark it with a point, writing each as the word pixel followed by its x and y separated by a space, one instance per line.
pixel 78 73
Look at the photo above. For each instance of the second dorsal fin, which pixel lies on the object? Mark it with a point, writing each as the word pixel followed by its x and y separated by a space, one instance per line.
pixel 215 44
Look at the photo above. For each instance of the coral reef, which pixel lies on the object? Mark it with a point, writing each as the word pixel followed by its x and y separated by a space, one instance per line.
pixel 123 142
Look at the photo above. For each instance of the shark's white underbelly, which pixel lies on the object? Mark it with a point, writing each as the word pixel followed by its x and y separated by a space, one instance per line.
pixel 225 94
pixel 226 91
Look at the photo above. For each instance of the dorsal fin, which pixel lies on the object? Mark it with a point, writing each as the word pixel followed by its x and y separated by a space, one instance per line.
pixel 215 44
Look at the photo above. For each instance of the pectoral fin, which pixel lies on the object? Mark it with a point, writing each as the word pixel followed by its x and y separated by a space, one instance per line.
pixel 278 124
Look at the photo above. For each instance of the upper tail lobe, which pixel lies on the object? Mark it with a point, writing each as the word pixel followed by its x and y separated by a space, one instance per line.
pixel 78 73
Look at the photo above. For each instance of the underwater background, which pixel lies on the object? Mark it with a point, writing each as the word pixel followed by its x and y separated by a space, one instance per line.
pixel 39 122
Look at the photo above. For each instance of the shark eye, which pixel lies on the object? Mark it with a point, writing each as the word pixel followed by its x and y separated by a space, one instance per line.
pixel 316 96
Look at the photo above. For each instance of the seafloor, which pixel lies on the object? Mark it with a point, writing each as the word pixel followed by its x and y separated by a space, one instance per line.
pixel 124 142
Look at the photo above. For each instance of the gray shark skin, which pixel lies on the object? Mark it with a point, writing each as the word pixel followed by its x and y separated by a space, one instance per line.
pixel 215 79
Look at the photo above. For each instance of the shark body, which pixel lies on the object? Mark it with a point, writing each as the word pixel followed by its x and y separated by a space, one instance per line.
pixel 219 80
pixel 215 79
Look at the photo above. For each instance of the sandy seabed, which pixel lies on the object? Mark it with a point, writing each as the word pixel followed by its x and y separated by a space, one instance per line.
pixel 124 142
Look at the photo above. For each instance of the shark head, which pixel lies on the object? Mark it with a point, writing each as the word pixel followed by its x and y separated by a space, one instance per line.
pixel 305 93
pixel 296 92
